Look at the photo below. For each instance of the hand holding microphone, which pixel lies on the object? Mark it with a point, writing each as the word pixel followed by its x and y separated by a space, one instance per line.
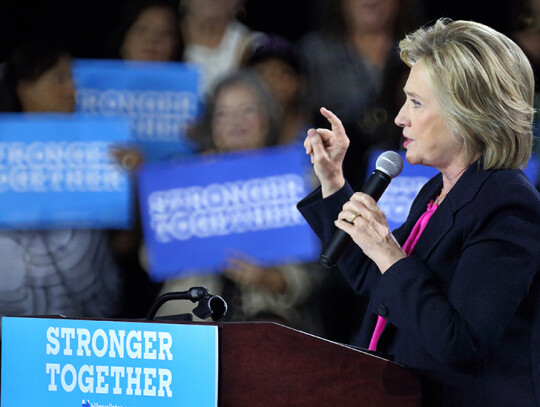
pixel 327 148
pixel 388 166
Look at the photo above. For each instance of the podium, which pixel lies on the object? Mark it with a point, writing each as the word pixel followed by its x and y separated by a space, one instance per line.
pixel 266 364
pixel 59 361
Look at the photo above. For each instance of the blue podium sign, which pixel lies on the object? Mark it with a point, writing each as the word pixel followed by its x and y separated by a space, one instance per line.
pixel 198 213
pixel 160 99
pixel 56 171
pixel 63 362
pixel 399 196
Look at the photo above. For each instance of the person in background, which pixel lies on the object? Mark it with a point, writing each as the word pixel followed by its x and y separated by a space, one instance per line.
pixel 52 272
pixel 526 33
pixel 455 291
pixel 351 68
pixel 275 59
pixel 149 30
pixel 242 115
pixel 214 38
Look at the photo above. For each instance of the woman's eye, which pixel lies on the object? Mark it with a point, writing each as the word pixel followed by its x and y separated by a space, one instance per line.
pixel 219 114
pixel 415 102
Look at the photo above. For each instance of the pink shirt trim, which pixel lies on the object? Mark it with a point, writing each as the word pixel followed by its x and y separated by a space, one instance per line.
pixel 408 247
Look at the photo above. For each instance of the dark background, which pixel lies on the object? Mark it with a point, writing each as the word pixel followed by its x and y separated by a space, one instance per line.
pixel 83 26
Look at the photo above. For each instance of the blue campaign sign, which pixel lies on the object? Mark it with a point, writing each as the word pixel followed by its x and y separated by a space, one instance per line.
pixel 399 196
pixel 56 172
pixel 199 212
pixel 160 99
pixel 532 169
pixel 64 362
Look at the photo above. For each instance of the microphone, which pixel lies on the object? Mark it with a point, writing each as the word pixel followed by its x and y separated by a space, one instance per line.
pixel 389 165
pixel 209 305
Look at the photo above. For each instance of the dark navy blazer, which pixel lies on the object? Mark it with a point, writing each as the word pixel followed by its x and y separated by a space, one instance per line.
pixel 464 308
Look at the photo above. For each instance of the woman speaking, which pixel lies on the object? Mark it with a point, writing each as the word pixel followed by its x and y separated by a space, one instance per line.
pixel 454 292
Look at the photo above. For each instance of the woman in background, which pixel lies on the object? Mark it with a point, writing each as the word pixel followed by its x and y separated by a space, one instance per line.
pixel 242 115
pixel 52 272
pixel 149 31
pixel 275 59
pixel 351 68
pixel 214 39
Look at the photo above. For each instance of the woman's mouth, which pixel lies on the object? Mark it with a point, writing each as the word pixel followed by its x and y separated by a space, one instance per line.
pixel 406 142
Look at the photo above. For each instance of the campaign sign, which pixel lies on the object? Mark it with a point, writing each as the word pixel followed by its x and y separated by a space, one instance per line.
pixel 159 98
pixel 88 363
pixel 533 169
pixel 199 213
pixel 399 196
pixel 56 171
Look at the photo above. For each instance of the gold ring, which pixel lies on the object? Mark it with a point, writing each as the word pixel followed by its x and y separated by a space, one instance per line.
pixel 353 217
pixel 128 162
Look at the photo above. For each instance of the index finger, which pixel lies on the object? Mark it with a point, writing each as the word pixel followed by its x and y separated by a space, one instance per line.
pixel 365 199
pixel 333 119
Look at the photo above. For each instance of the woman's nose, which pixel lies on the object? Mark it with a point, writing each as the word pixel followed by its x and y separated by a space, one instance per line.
pixel 402 119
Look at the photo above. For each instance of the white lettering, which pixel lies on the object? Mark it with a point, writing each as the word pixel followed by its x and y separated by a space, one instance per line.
pixel 133 380
pixel 155 115
pixel 83 336
pixel 100 333
pixel 53 347
pixel 101 372
pixel 149 374
pixel 68 334
pixel 165 343
pixel 165 381
pixel 149 338
pixel 69 368
pixel 136 381
pixel 148 345
pixel 224 209
pixel 117 372
pixel 135 351
pixel 59 166
pixel 53 369
pixel 86 386
pixel 117 342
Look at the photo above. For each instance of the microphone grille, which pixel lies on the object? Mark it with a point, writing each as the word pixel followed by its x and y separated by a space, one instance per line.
pixel 390 163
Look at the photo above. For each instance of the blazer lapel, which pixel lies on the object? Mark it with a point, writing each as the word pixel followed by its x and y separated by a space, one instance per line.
pixel 419 206
pixel 443 219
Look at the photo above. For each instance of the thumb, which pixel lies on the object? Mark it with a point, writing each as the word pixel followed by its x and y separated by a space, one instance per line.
pixel 317 145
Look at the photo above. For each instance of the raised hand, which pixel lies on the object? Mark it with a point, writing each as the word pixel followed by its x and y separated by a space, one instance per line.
pixel 327 149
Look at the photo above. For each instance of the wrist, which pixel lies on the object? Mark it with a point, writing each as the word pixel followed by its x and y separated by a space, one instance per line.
pixel 330 187
pixel 388 261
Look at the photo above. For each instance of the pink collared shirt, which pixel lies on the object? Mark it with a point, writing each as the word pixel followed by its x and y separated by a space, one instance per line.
pixel 408 247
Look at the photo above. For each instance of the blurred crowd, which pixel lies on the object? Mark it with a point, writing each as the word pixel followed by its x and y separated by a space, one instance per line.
pixel 260 88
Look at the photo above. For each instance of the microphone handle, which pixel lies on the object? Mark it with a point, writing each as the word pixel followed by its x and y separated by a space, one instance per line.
pixel 334 248
pixel 376 184
pixel 374 187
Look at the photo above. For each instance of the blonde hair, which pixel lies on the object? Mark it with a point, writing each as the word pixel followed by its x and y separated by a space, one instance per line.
pixel 484 85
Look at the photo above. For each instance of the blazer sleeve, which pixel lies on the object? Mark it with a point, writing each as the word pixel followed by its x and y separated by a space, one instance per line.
pixel 320 213
pixel 462 319
pixel 359 271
